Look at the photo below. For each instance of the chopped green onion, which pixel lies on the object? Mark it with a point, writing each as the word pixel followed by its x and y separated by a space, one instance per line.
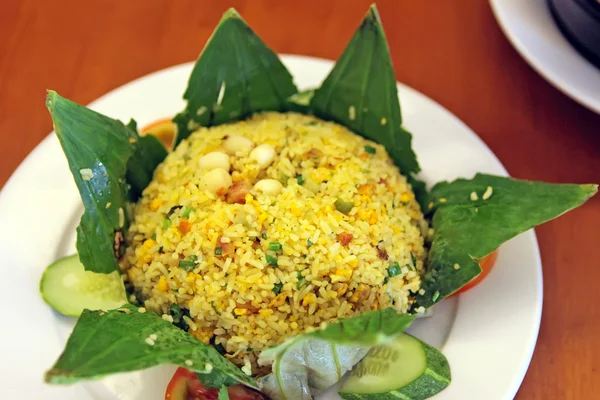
pixel 272 260
pixel 300 179
pixel 186 265
pixel 409 266
pixel 370 149
pixel 343 206
pixel 166 223
pixel 309 243
pixel 394 269
pixel 187 212
pixel 300 280
pixel 275 246
pixel 413 259
pixel 277 288
pixel 212 303
pixel 249 349
pixel 218 251
pixel 154 236
pixel 175 312
pixel 193 258
pixel 386 280
pixel 172 210
pixel 435 296
pixel 264 235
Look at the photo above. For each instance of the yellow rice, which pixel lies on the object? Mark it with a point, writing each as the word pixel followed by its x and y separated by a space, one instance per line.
pixel 319 282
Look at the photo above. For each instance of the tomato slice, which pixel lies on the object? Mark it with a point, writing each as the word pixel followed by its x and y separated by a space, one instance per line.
pixel 486 264
pixel 185 385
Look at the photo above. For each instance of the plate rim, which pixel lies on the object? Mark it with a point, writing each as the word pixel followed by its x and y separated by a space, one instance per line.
pixel 525 357
pixel 529 53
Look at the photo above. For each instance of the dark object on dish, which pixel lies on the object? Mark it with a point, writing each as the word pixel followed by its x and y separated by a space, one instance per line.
pixel 579 21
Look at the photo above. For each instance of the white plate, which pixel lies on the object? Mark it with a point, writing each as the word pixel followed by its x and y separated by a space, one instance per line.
pixel 529 26
pixel 488 334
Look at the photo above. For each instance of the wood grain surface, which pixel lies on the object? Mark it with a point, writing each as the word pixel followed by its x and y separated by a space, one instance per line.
pixel 454 52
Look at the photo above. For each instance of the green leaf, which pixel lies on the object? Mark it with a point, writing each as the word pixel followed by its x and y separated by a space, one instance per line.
pixel 361 93
pixel 122 340
pixel 316 360
pixel 148 152
pixel 235 76
pixel 97 149
pixel 470 226
pixel 223 393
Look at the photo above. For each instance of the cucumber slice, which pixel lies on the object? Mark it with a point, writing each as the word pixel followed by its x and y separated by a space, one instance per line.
pixel 68 288
pixel 405 369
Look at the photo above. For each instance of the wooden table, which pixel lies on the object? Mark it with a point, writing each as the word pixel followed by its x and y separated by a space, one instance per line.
pixel 454 52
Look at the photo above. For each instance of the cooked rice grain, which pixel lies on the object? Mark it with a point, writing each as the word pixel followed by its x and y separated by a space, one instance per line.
pixel 195 248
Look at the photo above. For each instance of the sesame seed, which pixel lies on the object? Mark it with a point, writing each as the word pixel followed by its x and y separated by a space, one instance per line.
pixel 167 317
pixel 108 205
pixel 352 113
pixel 121 217
pixel 124 310
pixel 131 140
pixel 430 205
pixel 201 111
pixel 442 200
pixel 189 363
pixel 421 292
pixel 477 210
pixel 421 310
pixel 474 196
pixel 101 314
pixel 142 310
pixel 383 122
pixel 86 174
pixel 149 341
pixel 456 267
pixel 153 336
pixel 488 193
pixel 208 368
pixel 435 296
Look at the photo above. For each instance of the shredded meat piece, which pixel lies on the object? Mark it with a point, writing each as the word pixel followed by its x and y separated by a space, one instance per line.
pixel 251 309
pixel 237 193
pixel 119 240
pixel 313 153
pixel 382 254
pixel 226 248
pixel 344 238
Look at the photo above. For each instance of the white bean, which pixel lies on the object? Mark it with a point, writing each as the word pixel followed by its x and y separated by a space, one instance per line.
pixel 237 144
pixel 270 187
pixel 215 180
pixel 263 155
pixel 213 160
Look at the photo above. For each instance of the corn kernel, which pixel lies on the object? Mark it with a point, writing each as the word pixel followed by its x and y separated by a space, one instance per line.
pixel 240 311
pixel 191 278
pixel 365 189
pixel 406 197
pixel 353 263
pixel 265 312
pixel 155 203
pixel 149 243
pixel 310 298
pixel 373 218
pixel 343 272
pixel 294 325
pixel 295 210
pixel 162 284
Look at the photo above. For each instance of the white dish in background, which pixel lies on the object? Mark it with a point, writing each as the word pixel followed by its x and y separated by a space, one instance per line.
pixel 487 334
pixel 531 29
